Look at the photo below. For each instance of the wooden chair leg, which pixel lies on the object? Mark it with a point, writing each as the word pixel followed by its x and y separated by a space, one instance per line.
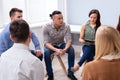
pixel 62 64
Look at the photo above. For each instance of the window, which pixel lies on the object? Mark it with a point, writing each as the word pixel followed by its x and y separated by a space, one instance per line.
pixel 34 11
pixel 39 12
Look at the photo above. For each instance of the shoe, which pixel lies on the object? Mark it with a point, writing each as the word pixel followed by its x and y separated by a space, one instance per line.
pixel 72 77
pixel 75 68
pixel 50 78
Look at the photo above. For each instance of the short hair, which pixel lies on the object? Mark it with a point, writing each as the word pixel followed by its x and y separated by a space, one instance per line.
pixel 107 42
pixel 54 13
pixel 19 30
pixel 13 10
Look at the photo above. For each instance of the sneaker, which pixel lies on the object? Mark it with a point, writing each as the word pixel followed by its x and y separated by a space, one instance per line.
pixel 50 78
pixel 72 77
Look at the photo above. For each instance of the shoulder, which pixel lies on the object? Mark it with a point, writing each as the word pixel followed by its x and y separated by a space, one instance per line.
pixel 89 64
pixel 65 26
pixel 92 64
pixel 48 24
pixel 83 26
pixel 6 30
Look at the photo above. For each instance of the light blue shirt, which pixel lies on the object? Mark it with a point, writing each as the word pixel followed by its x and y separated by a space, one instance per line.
pixel 6 42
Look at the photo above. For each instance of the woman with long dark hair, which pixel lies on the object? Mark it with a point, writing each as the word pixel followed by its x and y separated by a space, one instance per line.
pixel 87 38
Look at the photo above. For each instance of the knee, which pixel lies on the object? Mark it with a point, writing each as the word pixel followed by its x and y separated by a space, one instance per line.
pixel 46 52
pixel 71 49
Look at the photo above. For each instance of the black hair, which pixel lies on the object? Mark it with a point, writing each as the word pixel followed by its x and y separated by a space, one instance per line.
pixel 19 30
pixel 54 13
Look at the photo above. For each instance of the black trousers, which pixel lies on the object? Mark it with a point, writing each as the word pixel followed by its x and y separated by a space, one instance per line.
pixel 40 57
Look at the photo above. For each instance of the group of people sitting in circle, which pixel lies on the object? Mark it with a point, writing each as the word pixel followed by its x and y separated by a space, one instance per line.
pixel 101 48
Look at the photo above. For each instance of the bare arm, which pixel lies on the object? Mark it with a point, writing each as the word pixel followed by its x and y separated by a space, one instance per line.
pixel 48 45
pixel 68 44
pixel 58 51
pixel 82 33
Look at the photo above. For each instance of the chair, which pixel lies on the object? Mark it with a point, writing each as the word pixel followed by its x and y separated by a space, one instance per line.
pixel 60 61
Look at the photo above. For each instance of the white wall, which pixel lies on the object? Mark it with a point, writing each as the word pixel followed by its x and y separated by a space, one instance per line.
pixel 62 8
pixel 7 5
pixel 1 17
pixel 78 10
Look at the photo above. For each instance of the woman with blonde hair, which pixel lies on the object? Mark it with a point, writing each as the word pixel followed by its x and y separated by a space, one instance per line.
pixel 106 64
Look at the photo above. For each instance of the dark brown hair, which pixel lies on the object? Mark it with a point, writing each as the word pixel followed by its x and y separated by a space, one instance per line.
pixel 19 30
pixel 98 23
pixel 13 10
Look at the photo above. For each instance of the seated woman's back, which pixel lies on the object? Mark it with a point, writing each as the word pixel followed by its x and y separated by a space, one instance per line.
pixel 106 64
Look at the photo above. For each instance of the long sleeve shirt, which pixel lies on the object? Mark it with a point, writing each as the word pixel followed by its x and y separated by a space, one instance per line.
pixel 6 42
pixel 17 63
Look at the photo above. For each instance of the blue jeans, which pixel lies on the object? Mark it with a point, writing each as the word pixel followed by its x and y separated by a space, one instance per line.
pixel 48 62
pixel 88 54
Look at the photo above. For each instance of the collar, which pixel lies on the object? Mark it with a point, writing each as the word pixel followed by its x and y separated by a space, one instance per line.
pixel 111 57
pixel 20 46
pixel 62 27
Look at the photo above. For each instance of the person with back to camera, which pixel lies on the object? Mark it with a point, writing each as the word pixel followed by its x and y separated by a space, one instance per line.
pixel 6 42
pixel 118 24
pixel 17 63
pixel 106 64
pixel 54 34
pixel 87 38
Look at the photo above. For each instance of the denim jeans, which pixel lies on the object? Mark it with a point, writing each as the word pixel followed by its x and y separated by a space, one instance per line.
pixel 48 62
pixel 88 54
